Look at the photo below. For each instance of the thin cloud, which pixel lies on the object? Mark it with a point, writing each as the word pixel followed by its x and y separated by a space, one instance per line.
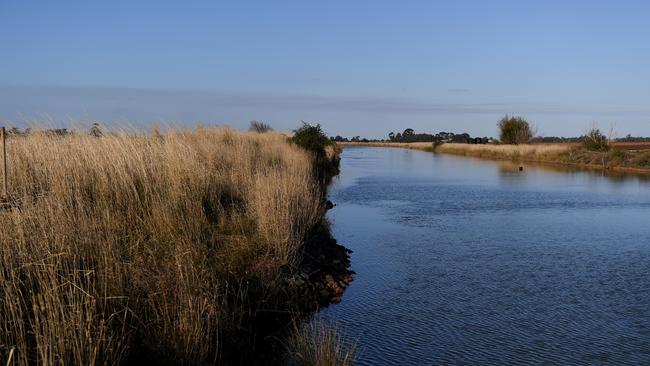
pixel 190 105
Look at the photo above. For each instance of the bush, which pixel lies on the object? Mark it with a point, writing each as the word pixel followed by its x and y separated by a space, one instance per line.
pixel 594 140
pixel 260 127
pixel 311 138
pixel 514 130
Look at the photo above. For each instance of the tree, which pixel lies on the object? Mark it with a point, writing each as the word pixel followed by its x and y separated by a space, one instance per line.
pixel 259 127
pixel 391 136
pixel 594 140
pixel 514 130
pixel 311 138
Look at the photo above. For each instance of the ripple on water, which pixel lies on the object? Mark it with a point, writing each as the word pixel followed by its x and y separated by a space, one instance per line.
pixel 456 264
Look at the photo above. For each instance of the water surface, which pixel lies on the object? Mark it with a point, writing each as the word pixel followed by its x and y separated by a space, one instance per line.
pixel 465 261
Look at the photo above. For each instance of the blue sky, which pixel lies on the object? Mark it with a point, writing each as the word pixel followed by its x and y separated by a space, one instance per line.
pixel 357 67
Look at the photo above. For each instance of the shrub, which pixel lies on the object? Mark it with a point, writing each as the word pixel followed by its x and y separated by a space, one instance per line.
pixel 594 140
pixel 514 130
pixel 260 127
pixel 311 138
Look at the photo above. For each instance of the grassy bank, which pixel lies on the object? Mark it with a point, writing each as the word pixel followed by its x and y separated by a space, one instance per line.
pixel 131 248
pixel 622 157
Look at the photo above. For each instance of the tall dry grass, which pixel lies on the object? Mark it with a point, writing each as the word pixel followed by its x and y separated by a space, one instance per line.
pixel 136 247
pixel 319 344
pixel 529 152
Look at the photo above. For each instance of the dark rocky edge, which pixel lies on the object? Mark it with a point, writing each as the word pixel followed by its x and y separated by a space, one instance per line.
pixel 318 280
pixel 323 274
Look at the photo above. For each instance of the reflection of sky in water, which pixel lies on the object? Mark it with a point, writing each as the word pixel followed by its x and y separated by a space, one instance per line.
pixel 473 262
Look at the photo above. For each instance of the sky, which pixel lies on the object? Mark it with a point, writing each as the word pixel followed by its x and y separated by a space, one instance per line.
pixel 356 67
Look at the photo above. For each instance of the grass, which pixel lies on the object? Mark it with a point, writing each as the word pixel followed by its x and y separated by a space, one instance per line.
pixel 318 344
pixel 147 248
pixel 511 152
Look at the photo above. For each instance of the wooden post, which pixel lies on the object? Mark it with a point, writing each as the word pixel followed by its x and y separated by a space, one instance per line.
pixel 5 188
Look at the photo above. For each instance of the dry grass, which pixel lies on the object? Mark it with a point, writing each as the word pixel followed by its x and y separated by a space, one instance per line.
pixel 319 344
pixel 537 152
pixel 137 245
pixel 533 152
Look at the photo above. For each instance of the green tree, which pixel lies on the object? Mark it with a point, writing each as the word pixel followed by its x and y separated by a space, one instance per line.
pixel 311 138
pixel 594 140
pixel 514 130
pixel 259 127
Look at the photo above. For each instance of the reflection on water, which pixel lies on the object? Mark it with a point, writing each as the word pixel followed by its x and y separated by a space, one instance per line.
pixel 463 261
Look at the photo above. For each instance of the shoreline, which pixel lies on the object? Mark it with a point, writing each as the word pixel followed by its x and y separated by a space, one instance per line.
pixel 569 156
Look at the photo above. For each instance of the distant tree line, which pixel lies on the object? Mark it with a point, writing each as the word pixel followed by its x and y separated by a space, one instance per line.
pixel 409 135
pixel 512 130
pixel 630 138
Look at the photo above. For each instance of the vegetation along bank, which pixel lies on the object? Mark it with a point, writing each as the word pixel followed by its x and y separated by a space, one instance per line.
pixel 184 247
pixel 517 143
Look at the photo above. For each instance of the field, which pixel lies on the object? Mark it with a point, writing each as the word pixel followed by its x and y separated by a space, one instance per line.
pixel 131 248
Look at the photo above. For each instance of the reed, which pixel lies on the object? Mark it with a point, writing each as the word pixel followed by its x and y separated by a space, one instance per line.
pixel 525 152
pixel 319 344
pixel 536 152
pixel 136 246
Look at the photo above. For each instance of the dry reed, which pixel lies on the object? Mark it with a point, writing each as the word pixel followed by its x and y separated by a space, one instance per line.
pixel 532 152
pixel 319 344
pixel 130 244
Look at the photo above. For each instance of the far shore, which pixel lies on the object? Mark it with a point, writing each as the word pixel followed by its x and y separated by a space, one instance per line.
pixel 622 157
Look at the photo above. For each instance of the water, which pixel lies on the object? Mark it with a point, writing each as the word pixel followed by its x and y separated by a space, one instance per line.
pixel 465 261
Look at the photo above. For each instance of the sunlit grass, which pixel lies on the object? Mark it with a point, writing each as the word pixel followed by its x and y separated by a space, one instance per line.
pixel 137 244
pixel 319 344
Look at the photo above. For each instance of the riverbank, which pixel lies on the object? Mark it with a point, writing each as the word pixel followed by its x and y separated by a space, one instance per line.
pixel 622 158
pixel 174 248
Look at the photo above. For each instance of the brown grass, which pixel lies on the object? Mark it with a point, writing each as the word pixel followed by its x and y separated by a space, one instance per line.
pixel 319 344
pixel 139 246
pixel 540 152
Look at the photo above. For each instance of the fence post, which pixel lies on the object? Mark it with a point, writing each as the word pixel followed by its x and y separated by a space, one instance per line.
pixel 5 188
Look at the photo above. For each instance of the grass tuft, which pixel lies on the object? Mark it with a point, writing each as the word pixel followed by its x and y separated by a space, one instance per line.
pixel 319 344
